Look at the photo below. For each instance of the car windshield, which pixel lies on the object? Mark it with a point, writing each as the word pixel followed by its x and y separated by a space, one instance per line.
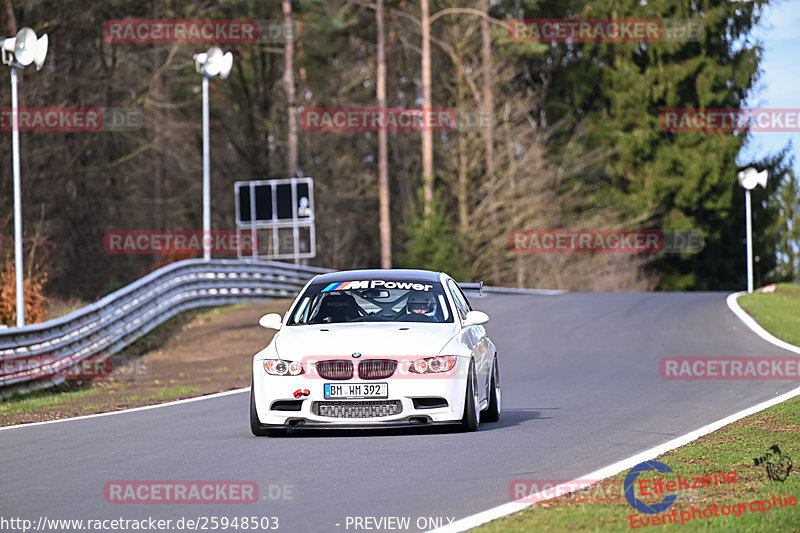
pixel 372 300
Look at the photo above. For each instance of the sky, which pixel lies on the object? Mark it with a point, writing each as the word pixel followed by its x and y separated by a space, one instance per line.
pixel 779 86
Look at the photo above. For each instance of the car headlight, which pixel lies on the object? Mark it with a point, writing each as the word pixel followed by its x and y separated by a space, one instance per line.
pixel 279 367
pixel 433 365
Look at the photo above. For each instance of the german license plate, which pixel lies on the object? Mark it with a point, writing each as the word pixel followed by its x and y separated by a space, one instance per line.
pixel 356 390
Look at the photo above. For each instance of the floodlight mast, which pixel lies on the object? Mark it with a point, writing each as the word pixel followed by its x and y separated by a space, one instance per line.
pixel 19 52
pixel 17 202
pixel 749 178
pixel 209 64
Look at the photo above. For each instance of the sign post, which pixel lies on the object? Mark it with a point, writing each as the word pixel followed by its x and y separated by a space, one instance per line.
pixel 278 206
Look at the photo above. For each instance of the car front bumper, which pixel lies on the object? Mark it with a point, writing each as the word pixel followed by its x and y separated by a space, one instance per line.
pixel 277 406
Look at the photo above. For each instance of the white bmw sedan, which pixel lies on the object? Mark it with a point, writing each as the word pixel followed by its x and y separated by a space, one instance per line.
pixel 376 348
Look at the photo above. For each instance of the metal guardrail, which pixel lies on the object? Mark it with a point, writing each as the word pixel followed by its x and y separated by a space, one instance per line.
pixel 512 290
pixel 119 319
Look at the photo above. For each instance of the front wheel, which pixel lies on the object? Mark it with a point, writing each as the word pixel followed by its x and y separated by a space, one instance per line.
pixel 472 406
pixel 492 413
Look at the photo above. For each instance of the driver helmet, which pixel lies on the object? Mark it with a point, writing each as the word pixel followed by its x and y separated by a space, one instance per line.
pixel 420 302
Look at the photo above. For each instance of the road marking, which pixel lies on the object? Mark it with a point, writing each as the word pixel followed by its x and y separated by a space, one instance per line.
pixel 512 507
pixel 750 322
pixel 131 410
pixel 518 505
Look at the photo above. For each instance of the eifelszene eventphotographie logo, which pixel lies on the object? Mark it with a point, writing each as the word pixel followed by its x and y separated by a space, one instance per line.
pixel 778 466
pixel 636 503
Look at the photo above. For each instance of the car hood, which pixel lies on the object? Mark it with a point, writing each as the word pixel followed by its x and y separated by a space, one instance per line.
pixel 394 339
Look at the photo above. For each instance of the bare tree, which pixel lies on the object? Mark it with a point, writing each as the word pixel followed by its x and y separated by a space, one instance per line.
pixel 158 95
pixel 383 148
pixel 488 111
pixel 488 98
pixel 427 133
pixel 288 87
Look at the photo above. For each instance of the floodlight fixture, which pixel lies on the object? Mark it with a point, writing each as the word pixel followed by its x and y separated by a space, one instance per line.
pixel 214 62
pixel 25 48
pixel 749 178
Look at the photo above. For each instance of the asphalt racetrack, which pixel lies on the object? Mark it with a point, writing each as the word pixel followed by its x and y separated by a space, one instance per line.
pixel 581 389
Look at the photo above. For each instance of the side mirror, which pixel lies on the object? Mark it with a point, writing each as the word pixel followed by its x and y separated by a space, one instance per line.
pixel 475 318
pixel 270 321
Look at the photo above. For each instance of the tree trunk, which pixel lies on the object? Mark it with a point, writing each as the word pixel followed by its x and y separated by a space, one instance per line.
pixel 383 149
pixel 488 97
pixel 11 20
pixel 427 133
pixel 288 87
pixel 488 131
pixel 403 184
pixel 157 96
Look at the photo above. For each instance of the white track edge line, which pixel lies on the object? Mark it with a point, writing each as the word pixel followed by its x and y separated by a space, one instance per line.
pixel 131 410
pixel 506 509
pixel 750 322
pixel 511 507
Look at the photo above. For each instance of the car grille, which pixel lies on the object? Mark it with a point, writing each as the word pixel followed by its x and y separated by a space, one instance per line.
pixel 376 368
pixel 336 369
pixel 372 409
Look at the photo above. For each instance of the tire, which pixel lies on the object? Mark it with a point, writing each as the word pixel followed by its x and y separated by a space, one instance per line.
pixel 255 423
pixel 472 414
pixel 492 413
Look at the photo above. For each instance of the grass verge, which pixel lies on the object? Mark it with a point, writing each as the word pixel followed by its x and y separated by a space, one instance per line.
pixel 778 312
pixel 177 391
pixel 733 448
pixel 42 399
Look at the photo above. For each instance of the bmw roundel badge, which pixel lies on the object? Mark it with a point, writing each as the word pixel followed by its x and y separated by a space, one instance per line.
pixel 356 355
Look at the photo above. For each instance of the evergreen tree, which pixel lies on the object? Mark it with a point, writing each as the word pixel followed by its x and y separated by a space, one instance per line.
pixel 432 240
